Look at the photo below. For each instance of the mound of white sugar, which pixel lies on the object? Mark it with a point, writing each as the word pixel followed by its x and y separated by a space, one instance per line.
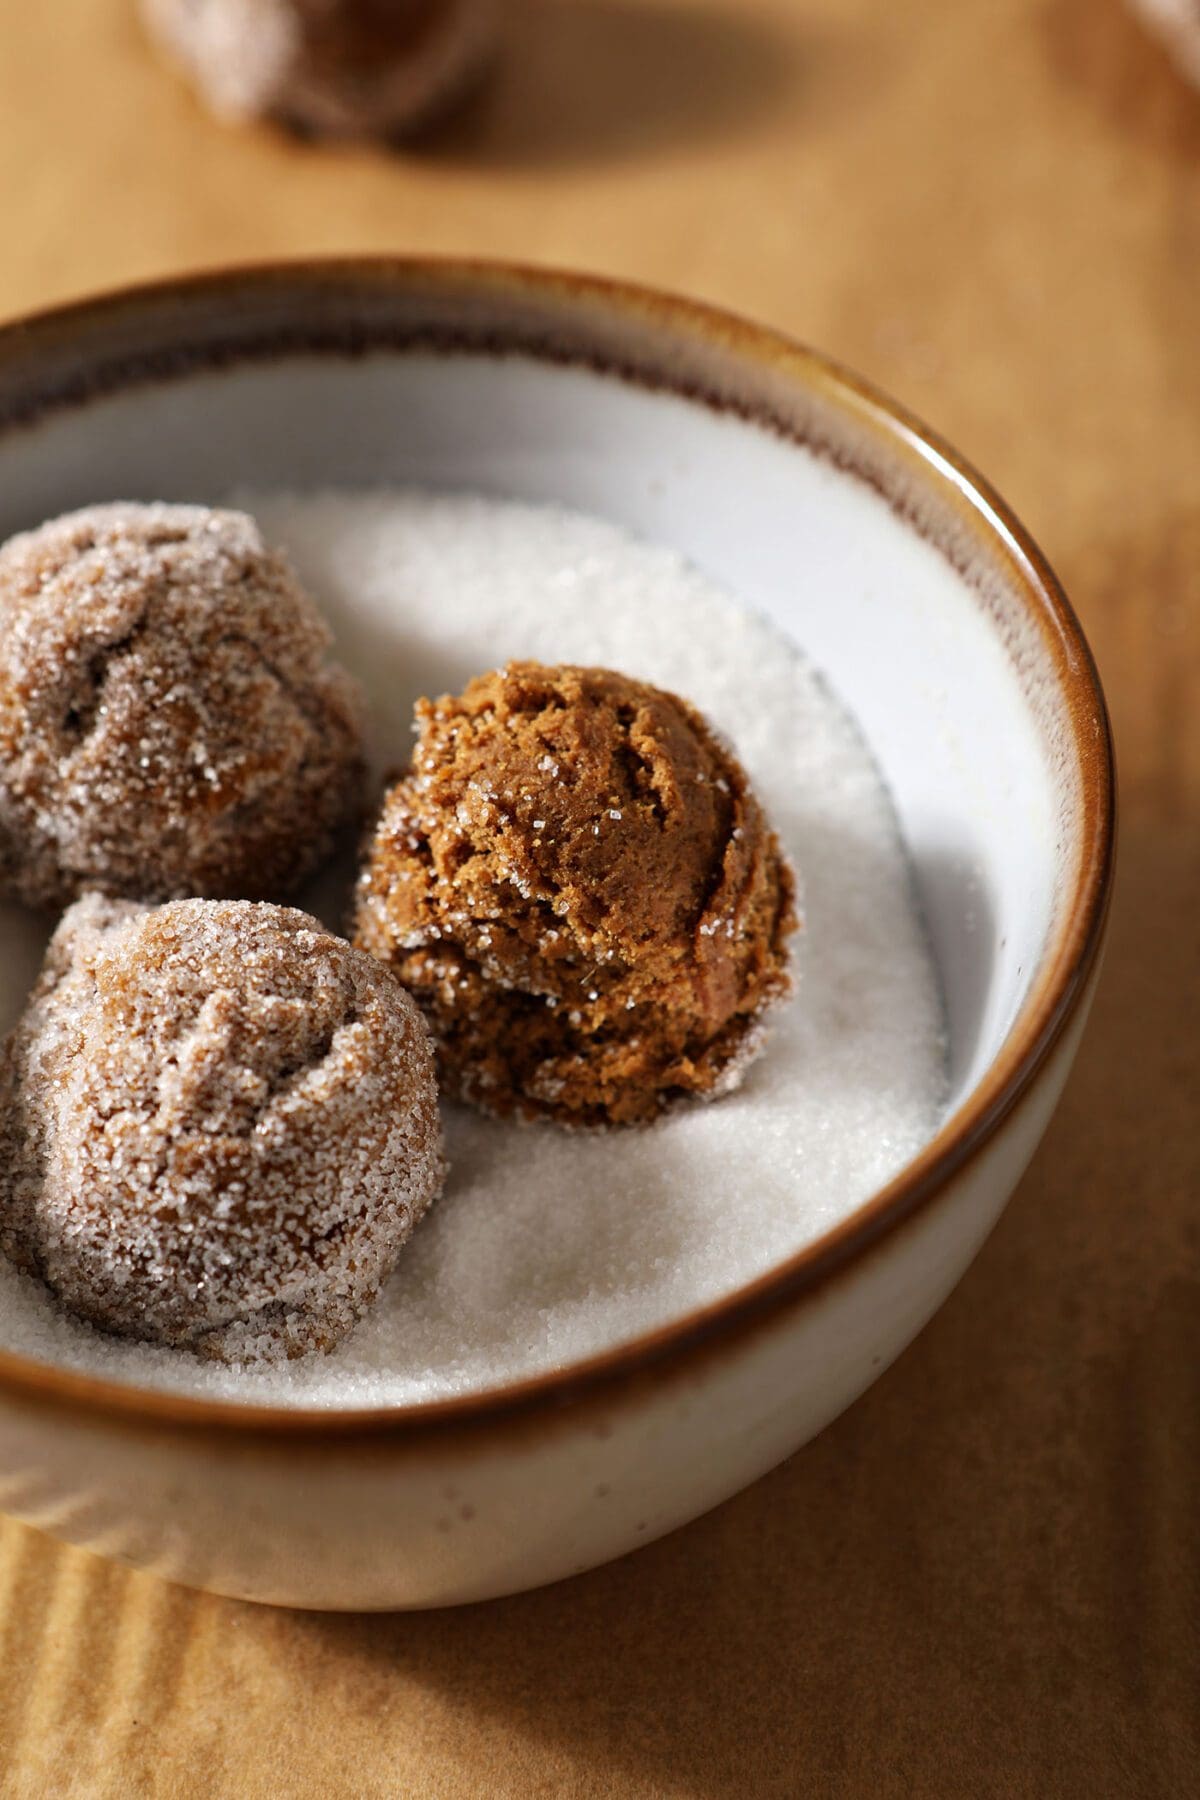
pixel 549 1246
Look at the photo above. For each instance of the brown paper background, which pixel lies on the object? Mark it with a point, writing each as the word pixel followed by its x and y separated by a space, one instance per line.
pixel 985 1578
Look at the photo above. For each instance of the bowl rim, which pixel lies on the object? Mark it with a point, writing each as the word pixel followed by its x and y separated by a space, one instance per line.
pixel 1056 992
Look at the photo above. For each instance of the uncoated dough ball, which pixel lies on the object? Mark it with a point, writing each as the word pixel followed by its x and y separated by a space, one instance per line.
pixel 218 1125
pixel 576 882
pixel 344 68
pixel 169 721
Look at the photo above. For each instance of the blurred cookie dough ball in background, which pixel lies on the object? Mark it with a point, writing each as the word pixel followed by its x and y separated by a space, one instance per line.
pixel 336 68
pixel 1177 24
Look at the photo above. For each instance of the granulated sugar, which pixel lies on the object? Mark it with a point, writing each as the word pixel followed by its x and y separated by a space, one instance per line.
pixel 549 1246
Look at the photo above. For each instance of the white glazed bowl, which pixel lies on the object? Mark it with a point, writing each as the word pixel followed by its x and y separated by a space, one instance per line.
pixel 986 715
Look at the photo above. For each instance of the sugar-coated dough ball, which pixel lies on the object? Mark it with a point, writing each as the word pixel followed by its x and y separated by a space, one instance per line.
pixel 576 882
pixel 343 68
pixel 170 723
pixel 218 1126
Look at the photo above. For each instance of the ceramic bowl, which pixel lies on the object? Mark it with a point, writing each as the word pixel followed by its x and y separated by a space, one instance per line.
pixel 985 712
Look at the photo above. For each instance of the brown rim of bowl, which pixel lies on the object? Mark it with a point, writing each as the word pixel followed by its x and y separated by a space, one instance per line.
pixel 1062 979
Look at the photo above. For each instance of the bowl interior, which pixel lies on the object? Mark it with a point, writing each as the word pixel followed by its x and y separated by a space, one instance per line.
pixel 944 673
pixel 811 499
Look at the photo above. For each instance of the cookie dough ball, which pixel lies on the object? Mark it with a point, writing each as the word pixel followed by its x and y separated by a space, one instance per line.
pixel 218 1125
pixel 169 721
pixel 579 887
pixel 343 68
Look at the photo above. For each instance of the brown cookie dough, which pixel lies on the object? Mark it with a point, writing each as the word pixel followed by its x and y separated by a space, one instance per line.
pixel 577 884
pixel 341 68
pixel 169 721
pixel 218 1125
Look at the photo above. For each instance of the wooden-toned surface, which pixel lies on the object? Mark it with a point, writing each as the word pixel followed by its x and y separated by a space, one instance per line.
pixel 985 1579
